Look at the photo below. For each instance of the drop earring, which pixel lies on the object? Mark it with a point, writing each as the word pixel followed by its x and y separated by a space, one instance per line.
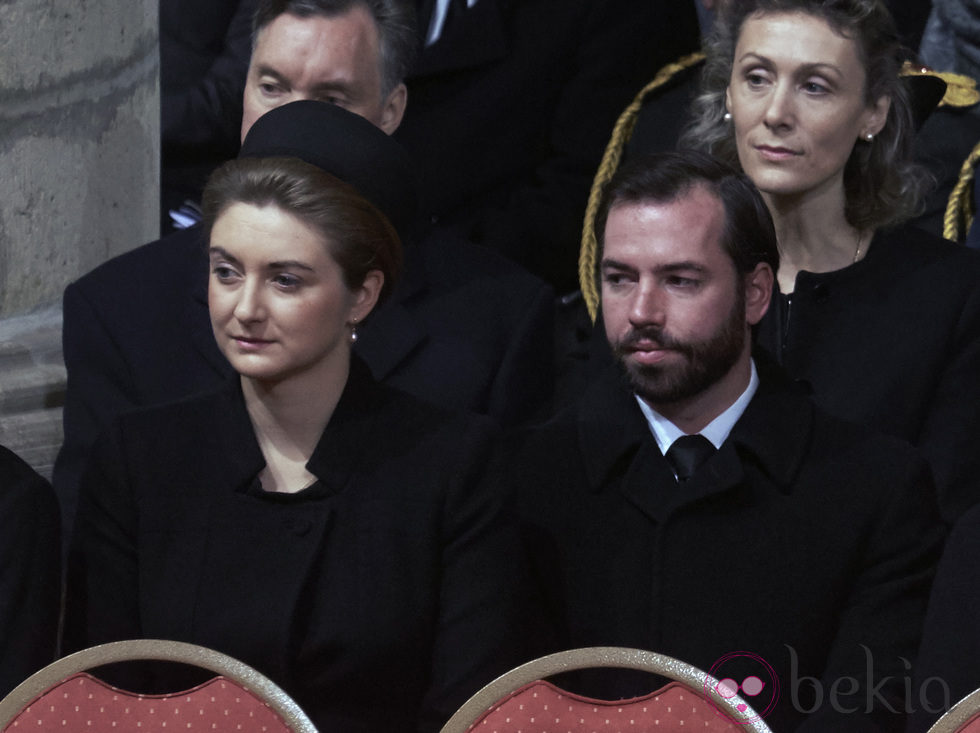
pixel 353 331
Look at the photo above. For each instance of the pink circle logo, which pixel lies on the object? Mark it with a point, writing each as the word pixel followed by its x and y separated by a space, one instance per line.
pixel 758 690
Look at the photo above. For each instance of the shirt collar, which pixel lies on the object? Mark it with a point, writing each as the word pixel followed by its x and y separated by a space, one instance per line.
pixel 665 432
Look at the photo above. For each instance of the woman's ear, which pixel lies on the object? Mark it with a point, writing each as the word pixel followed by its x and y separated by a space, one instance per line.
pixel 366 296
pixel 877 116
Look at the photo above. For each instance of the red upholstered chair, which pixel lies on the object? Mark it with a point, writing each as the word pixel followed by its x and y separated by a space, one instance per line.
pixel 64 697
pixel 963 717
pixel 521 700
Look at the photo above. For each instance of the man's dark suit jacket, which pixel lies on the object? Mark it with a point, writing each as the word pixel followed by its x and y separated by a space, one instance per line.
pixel 801 530
pixel 30 575
pixel 509 113
pixel 205 47
pixel 464 328
pixel 391 593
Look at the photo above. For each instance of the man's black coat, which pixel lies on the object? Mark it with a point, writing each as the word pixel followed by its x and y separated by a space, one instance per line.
pixel 387 593
pixel 803 540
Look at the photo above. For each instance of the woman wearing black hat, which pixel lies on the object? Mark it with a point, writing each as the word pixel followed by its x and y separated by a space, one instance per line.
pixel 321 527
pixel 882 321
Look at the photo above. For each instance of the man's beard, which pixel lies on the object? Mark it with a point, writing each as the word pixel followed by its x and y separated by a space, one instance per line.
pixel 704 362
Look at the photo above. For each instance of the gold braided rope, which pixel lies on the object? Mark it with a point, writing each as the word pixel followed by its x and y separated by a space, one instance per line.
pixel 959 210
pixel 610 162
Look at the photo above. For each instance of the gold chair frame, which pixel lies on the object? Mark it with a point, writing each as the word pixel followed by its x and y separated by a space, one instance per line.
pixel 156 649
pixel 597 657
pixel 958 715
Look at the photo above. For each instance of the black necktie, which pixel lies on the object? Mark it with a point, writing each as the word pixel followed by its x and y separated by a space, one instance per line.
pixel 687 453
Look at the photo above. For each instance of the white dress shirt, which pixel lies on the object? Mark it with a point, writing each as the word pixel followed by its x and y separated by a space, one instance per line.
pixel 665 432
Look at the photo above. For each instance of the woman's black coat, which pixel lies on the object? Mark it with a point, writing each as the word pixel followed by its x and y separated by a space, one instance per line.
pixel 389 600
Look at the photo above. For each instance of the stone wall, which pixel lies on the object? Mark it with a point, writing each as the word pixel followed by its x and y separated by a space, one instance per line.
pixel 79 179
pixel 79 140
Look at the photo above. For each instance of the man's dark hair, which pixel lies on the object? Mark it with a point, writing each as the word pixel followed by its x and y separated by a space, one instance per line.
pixel 395 20
pixel 748 237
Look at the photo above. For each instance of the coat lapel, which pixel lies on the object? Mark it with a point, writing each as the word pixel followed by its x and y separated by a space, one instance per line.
pixel 345 448
pixel 611 427
pixel 250 541
pixel 779 454
pixel 616 440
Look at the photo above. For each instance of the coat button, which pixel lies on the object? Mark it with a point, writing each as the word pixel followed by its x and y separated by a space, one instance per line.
pixel 299 526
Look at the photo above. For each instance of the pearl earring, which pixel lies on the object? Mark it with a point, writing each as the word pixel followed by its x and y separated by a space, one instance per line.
pixel 869 136
pixel 727 117
pixel 353 330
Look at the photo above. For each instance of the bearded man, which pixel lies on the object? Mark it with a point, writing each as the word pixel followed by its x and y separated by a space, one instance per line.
pixel 695 503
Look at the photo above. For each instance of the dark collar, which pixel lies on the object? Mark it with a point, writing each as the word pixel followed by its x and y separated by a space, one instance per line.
pixel 775 430
pixel 341 452
pixel 611 427
pixel 773 433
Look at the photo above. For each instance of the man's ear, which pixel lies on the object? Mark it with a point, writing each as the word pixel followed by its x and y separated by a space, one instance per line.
pixel 758 292
pixel 394 109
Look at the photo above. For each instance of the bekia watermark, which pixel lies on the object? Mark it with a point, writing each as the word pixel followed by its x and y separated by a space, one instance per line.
pixel 756 682
pixel 761 687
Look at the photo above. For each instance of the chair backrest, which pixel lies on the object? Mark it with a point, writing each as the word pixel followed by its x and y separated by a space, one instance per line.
pixel 64 691
pixel 520 696
pixel 963 717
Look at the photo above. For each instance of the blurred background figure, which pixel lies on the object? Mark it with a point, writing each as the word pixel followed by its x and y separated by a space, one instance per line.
pixel 952 37
pixel 204 51
pixel 512 104
pixel 951 43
